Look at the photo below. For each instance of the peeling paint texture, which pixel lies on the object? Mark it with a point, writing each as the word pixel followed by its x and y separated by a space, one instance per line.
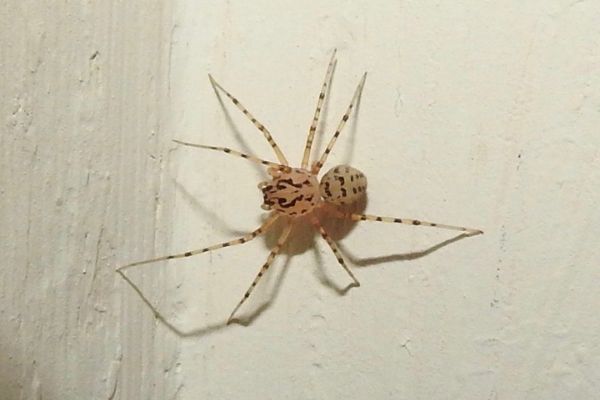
pixel 482 114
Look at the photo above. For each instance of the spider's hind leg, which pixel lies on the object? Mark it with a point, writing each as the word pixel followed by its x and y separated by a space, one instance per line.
pixel 407 221
pixel 317 114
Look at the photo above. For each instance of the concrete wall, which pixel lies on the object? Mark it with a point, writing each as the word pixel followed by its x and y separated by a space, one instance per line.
pixel 484 114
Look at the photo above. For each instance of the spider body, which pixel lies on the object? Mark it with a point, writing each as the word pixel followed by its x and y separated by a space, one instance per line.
pixel 294 192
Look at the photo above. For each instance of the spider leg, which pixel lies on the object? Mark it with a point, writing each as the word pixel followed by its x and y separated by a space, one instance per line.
pixel 254 121
pixel 315 120
pixel 317 166
pixel 235 153
pixel 263 269
pixel 260 230
pixel 366 217
pixel 334 248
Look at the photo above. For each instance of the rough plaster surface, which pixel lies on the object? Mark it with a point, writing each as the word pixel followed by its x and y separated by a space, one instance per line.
pixel 485 114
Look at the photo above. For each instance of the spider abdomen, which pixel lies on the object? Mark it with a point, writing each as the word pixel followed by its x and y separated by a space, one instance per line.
pixel 343 185
pixel 294 192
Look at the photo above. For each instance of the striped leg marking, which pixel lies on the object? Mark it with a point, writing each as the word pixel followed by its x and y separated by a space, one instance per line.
pixel 263 269
pixel 254 121
pixel 244 239
pixel 366 217
pixel 315 120
pixel 317 167
pixel 235 153
pixel 334 248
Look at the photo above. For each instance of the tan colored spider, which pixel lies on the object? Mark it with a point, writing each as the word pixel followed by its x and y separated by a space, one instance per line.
pixel 295 192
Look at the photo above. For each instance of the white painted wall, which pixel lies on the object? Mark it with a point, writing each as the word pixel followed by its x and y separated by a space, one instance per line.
pixel 485 114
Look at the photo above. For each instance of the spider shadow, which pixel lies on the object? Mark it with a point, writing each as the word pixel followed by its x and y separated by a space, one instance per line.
pixel 219 222
pixel 163 320
pixel 371 261
pixel 299 241
pixel 302 239
pixel 339 228
pixel 325 280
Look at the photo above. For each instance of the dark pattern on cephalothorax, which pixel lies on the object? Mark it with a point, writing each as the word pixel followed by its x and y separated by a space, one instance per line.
pixel 294 192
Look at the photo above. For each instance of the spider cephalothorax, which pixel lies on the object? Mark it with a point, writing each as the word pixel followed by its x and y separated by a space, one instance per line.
pixel 294 192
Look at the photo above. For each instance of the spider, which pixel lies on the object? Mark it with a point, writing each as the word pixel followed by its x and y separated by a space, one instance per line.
pixel 292 193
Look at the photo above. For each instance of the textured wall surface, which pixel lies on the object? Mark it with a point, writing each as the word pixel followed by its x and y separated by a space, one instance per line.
pixel 484 114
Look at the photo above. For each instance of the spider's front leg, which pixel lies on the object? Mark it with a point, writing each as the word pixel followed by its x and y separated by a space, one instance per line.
pixel 254 121
pixel 319 164
pixel 315 121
